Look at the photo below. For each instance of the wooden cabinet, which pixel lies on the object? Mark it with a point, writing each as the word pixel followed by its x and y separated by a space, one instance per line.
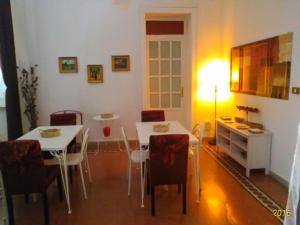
pixel 250 150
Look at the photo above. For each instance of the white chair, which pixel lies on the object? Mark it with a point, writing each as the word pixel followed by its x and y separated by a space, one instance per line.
pixel 73 159
pixel 133 157
pixel 198 132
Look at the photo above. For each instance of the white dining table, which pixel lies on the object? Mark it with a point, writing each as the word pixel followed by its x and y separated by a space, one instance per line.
pixel 145 130
pixel 57 146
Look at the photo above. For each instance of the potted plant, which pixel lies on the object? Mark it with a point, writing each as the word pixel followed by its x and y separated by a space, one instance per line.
pixel 28 85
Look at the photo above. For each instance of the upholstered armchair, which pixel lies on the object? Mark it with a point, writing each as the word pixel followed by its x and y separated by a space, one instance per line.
pixel 23 172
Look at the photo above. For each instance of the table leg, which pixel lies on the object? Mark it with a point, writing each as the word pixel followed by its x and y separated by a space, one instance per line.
pixel 197 173
pixel 64 176
pixel 142 178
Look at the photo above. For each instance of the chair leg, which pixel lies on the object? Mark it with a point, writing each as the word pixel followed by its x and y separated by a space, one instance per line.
pixel 88 168
pixel 184 198
pixel 10 209
pixel 148 183
pixel 152 200
pixel 46 209
pixel 26 197
pixel 82 180
pixel 59 187
pixel 179 188
pixel 129 178
pixel 70 174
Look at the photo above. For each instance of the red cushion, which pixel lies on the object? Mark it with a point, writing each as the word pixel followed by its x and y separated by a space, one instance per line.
pixel 63 119
pixel 153 115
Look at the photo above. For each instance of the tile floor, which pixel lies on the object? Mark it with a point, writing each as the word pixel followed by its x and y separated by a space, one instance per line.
pixel 223 201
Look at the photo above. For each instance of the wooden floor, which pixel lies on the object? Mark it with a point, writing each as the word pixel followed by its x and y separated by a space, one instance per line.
pixel 222 201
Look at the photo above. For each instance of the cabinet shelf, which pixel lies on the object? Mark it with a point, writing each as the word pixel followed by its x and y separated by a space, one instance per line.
pixel 240 145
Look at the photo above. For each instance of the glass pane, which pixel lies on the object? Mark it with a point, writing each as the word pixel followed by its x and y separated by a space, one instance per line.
pixel 176 103
pixel 176 49
pixel 164 49
pixel 165 67
pixel 176 67
pixel 153 49
pixel 165 100
pixel 165 84
pixel 176 86
pixel 154 84
pixel 153 64
pixel 154 101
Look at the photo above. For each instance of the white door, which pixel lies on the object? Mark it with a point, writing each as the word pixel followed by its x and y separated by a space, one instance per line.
pixel 166 76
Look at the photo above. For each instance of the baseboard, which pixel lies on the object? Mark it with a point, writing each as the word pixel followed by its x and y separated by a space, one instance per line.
pixel 279 179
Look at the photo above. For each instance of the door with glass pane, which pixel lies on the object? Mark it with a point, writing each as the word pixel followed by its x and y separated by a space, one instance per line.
pixel 166 75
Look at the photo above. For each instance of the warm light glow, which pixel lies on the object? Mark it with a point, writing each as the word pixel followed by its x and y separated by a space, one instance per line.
pixel 215 73
pixel 235 76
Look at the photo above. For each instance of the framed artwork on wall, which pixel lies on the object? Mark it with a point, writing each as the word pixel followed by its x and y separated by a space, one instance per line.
pixel 120 63
pixel 68 64
pixel 263 67
pixel 95 73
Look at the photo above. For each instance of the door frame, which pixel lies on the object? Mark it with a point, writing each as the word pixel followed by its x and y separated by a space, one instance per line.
pixel 189 15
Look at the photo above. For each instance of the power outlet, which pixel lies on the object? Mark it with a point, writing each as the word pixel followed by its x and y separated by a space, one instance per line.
pixel 296 90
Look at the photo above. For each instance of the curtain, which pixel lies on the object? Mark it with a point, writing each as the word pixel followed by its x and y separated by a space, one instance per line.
pixel 8 65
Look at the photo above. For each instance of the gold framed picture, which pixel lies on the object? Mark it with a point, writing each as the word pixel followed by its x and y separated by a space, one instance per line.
pixel 68 64
pixel 120 63
pixel 95 73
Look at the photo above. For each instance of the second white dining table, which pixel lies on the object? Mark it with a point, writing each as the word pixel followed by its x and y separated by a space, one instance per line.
pixel 145 130
pixel 57 146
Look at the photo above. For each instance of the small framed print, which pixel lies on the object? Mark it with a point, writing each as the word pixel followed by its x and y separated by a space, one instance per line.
pixel 68 64
pixel 120 63
pixel 95 73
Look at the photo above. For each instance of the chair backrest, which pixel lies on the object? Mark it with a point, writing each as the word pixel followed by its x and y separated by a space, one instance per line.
pixel 128 149
pixel 65 117
pixel 22 166
pixel 152 115
pixel 84 143
pixel 168 158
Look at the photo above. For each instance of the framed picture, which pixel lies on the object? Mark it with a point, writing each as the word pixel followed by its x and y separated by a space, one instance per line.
pixel 68 64
pixel 120 63
pixel 95 73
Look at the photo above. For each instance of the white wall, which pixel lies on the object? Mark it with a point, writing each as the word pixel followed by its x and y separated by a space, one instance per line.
pixel 249 21
pixel 93 31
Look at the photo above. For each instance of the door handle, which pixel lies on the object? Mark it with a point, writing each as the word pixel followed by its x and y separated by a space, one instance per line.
pixel 182 92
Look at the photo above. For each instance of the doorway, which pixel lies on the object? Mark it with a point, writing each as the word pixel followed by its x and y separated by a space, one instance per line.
pixel 168 75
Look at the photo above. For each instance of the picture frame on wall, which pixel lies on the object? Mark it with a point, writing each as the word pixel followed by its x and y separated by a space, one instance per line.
pixel 68 64
pixel 95 73
pixel 120 63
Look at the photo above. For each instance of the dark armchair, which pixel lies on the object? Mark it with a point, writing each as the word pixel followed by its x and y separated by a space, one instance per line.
pixel 23 172
pixel 168 163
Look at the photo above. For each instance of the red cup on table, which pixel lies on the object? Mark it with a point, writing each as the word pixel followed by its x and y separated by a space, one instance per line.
pixel 106 131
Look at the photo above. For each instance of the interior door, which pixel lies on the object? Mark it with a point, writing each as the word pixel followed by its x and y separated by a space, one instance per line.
pixel 166 76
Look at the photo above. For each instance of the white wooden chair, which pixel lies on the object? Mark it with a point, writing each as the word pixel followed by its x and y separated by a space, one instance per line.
pixel 74 159
pixel 198 132
pixel 133 157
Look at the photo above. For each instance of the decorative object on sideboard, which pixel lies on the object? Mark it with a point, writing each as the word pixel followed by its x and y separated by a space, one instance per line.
pixel 247 109
pixel 28 86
